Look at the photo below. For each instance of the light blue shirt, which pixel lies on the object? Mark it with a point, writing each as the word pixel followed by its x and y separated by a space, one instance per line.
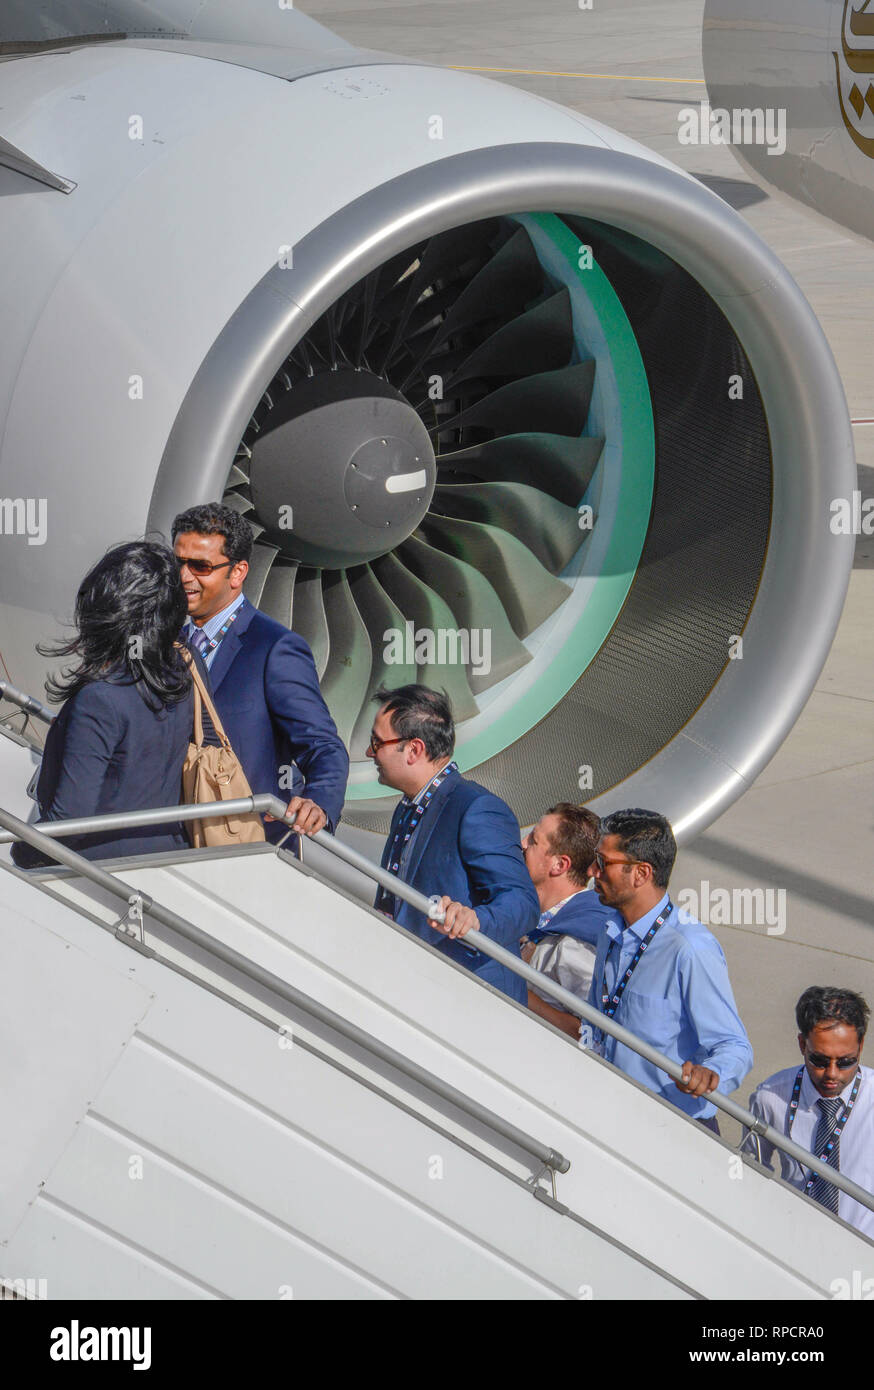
pixel 679 1000
pixel 214 625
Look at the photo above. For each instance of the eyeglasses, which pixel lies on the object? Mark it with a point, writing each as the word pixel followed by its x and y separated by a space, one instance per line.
pixel 602 862
pixel 201 566
pixel 821 1063
pixel 376 743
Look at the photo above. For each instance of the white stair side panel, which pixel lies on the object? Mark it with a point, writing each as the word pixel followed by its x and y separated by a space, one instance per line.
pixel 362 1170
pixel 180 1219
pixel 641 1172
pixel 65 1020
pixel 539 1240
pixel 78 1260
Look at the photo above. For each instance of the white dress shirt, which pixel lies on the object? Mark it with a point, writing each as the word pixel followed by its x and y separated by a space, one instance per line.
pixel 770 1102
pixel 564 959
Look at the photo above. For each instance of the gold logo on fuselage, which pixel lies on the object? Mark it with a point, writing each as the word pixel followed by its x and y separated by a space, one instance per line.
pixel 854 66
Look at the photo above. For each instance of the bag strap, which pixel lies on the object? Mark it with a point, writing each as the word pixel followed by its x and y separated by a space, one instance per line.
pixel 201 691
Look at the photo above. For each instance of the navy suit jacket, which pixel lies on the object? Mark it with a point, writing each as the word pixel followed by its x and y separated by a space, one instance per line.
pixel 266 691
pixel 468 847
pixel 108 751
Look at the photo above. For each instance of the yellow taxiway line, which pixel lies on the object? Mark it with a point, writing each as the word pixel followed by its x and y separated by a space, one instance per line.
pixel 601 76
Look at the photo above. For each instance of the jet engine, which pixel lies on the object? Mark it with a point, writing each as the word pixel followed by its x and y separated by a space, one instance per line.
pixel 514 407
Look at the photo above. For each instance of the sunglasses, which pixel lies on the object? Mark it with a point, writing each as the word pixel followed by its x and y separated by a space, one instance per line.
pixel 376 743
pixel 200 566
pixel 602 862
pixel 821 1063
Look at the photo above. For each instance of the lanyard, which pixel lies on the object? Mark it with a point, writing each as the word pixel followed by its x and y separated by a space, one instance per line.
pixel 422 806
pixel 407 824
pixel 838 1129
pixel 610 1005
pixel 214 641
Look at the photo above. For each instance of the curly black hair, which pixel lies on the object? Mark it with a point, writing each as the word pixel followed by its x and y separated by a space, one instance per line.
pixel 130 609
pixel 214 519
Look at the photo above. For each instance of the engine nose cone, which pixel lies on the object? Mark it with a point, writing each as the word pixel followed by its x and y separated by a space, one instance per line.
pixel 342 471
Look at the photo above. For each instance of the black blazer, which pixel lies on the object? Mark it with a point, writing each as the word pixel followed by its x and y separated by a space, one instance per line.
pixel 108 751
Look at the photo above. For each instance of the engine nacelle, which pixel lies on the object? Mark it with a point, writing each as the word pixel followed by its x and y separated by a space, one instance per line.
pixel 514 406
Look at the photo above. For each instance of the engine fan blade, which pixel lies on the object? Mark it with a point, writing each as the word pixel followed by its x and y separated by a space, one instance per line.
pixel 491 642
pixel 548 528
pixel 527 590
pixel 427 613
pixel 550 402
pixel 541 339
pixel 383 619
pixel 347 674
pixel 562 467
pixel 309 616
pixel 260 563
pixel 277 597
pixel 243 505
pixel 506 283
pixel 444 260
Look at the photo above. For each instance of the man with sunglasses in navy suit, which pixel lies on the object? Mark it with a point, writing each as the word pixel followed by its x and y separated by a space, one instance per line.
pixel 263 676
pixel 449 838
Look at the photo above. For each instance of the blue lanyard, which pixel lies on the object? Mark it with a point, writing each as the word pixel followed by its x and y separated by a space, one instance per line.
pixel 609 1005
pixel 422 806
pixel 839 1125
pixel 214 641
pixel 408 824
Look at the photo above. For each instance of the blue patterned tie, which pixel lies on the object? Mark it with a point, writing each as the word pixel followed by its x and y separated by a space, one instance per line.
pixel 198 639
pixel 824 1191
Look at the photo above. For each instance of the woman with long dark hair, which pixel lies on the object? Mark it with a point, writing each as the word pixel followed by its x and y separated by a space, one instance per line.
pixel 121 737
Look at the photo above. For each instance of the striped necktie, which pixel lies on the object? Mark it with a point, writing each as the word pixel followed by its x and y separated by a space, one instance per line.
pixel 824 1191
pixel 198 639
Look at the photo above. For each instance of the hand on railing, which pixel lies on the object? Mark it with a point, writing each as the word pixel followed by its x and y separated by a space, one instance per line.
pixel 304 815
pixel 697 1081
pixel 457 921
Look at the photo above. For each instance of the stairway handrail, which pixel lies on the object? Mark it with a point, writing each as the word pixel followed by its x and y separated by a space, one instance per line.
pixel 43 835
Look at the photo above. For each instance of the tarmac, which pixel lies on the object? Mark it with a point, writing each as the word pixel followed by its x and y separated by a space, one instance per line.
pixel 805 827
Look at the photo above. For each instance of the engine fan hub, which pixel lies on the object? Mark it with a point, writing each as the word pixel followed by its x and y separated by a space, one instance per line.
pixel 342 470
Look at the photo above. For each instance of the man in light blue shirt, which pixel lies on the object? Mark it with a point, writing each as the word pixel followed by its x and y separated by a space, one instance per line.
pixel 661 974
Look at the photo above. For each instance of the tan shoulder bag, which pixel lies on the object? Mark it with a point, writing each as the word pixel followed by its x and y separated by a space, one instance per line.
pixel 212 774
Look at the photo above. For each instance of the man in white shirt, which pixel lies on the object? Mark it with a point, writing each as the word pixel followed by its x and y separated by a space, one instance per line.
pixel 827 1104
pixel 559 851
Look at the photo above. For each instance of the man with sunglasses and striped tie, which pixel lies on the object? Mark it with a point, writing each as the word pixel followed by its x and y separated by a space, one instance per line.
pixel 827 1104
pixel 264 680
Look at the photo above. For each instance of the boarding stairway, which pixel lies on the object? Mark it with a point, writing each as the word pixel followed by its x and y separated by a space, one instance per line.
pixel 227 1077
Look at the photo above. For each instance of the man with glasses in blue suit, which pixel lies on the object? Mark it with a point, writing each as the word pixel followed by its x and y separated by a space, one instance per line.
pixel 449 838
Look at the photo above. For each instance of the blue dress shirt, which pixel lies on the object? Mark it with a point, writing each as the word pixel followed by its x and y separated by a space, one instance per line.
pixel 214 625
pixel 679 1000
